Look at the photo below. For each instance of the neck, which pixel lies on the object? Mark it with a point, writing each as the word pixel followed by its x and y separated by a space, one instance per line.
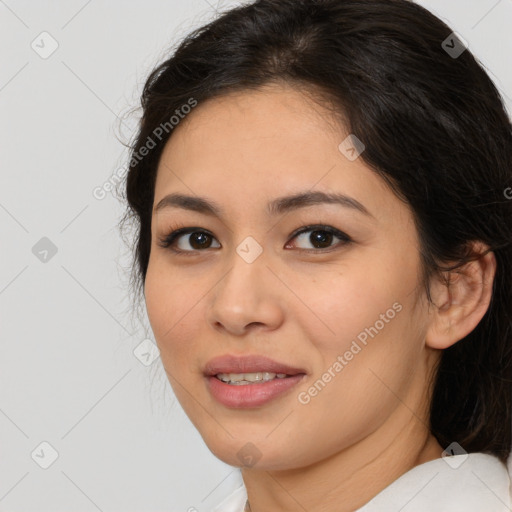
pixel 349 479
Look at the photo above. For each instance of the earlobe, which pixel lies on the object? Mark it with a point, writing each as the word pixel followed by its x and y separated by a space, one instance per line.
pixel 461 305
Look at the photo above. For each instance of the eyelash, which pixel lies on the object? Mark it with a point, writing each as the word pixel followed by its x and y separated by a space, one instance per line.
pixel 168 241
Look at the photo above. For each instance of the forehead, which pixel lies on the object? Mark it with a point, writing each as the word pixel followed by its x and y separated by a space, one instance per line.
pixel 276 113
pixel 248 147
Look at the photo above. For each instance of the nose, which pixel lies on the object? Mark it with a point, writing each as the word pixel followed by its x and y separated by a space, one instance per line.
pixel 248 297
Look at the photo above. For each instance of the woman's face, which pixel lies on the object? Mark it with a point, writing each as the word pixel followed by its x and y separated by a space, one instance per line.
pixel 349 316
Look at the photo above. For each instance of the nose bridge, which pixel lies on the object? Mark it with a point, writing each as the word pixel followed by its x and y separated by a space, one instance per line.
pixel 247 266
pixel 243 296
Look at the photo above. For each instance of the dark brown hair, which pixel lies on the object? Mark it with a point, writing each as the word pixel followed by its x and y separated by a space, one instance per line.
pixel 434 126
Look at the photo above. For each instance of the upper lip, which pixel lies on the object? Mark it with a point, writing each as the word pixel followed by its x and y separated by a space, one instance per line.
pixel 248 364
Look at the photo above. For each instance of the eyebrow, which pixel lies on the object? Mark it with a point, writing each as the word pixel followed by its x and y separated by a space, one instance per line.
pixel 275 207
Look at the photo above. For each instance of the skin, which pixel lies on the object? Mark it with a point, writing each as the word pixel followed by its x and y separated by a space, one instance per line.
pixel 369 424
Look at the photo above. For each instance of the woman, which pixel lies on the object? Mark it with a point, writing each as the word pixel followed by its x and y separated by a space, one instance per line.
pixel 324 249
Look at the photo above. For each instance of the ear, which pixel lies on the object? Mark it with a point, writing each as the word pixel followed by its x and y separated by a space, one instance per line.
pixel 461 305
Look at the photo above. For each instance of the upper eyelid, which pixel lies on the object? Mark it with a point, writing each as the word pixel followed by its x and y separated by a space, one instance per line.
pixel 311 227
pixel 318 227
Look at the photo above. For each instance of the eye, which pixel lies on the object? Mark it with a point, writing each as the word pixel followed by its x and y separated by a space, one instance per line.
pixel 200 239
pixel 321 237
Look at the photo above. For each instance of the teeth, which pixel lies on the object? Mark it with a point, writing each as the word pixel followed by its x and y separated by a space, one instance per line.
pixel 247 378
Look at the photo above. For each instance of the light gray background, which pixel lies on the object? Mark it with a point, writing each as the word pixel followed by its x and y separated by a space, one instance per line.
pixel 68 373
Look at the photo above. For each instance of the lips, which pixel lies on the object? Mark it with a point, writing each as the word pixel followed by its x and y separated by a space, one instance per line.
pixel 239 393
pixel 248 364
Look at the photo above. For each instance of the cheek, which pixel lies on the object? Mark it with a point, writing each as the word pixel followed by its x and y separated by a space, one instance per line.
pixel 361 366
pixel 368 318
pixel 343 303
pixel 360 321
pixel 165 303
pixel 174 302
pixel 157 301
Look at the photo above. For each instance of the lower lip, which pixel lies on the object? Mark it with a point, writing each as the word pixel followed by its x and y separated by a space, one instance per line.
pixel 250 395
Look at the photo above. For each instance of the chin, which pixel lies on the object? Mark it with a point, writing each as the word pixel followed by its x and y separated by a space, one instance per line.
pixel 261 455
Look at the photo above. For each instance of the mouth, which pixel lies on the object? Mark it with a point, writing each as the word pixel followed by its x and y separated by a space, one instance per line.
pixel 241 379
pixel 249 381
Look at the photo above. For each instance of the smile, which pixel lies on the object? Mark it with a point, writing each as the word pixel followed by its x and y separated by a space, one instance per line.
pixel 249 378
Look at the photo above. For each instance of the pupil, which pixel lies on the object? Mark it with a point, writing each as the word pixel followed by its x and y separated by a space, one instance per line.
pixel 201 238
pixel 323 238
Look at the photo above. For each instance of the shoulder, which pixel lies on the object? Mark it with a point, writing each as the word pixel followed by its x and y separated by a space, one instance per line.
pixel 472 482
pixel 469 482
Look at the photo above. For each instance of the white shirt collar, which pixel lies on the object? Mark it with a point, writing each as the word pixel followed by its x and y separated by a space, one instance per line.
pixel 474 482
